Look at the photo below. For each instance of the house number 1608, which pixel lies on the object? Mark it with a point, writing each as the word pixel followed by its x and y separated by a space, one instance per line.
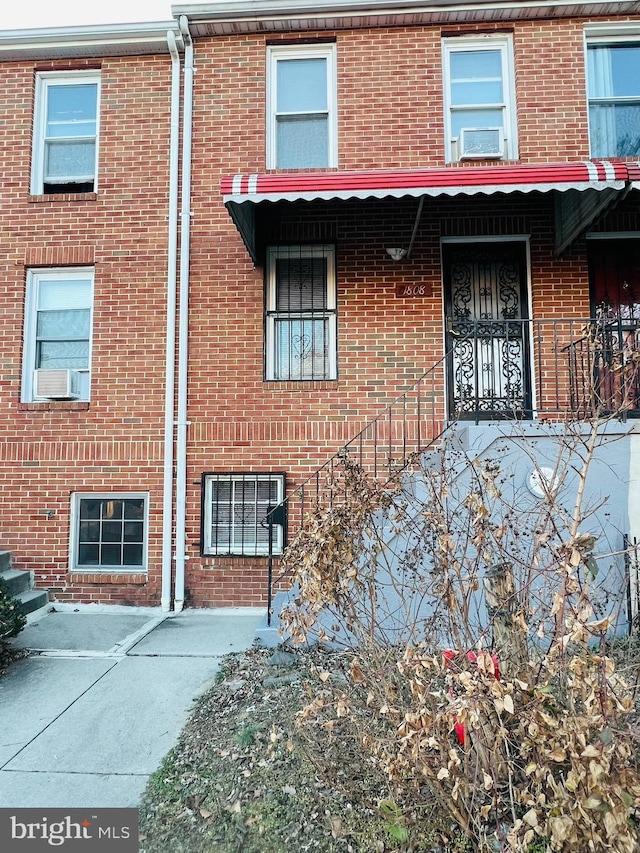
pixel 413 290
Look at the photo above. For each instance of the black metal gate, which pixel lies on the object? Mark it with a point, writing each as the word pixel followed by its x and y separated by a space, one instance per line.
pixel 487 335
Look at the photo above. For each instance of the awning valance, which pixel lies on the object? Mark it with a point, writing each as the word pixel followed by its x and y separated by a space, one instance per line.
pixel 238 190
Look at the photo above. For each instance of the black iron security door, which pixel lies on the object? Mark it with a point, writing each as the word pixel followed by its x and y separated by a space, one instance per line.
pixel 487 330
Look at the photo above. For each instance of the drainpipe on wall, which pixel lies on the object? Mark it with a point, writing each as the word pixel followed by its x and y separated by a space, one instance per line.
pixel 183 321
pixel 170 351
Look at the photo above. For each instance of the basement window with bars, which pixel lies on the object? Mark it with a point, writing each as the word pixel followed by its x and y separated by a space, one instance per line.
pixel 241 514
pixel 300 317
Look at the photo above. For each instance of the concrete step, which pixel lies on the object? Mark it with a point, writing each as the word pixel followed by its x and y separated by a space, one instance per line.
pixel 5 561
pixel 20 587
pixel 17 581
pixel 32 599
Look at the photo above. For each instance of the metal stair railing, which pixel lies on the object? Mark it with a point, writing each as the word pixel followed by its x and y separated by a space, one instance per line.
pixel 384 448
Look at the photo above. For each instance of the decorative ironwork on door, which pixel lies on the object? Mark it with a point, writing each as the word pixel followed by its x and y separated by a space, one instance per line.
pixel 489 373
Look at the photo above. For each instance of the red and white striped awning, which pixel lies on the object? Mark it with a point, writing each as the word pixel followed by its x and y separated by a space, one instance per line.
pixel 241 192
pixel 397 183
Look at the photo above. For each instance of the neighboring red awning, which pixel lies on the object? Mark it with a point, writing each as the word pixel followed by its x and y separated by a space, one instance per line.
pixel 396 183
pixel 237 190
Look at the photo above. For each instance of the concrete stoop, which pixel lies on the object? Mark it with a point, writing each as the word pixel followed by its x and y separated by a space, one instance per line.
pixel 20 584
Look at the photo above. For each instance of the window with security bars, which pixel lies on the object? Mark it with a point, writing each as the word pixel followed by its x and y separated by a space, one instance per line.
pixel 109 532
pixel 241 514
pixel 300 313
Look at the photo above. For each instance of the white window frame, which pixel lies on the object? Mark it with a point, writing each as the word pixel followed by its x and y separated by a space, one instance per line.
pixel 34 277
pixel 44 81
pixel 462 44
pixel 603 35
pixel 250 548
pixel 311 251
pixel 74 532
pixel 288 52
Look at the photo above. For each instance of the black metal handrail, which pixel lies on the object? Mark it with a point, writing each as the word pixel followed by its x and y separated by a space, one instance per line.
pixel 412 423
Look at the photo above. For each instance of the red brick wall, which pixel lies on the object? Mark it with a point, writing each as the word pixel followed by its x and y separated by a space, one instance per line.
pixel 113 443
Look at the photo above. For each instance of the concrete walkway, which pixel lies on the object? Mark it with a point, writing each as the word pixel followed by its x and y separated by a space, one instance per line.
pixel 90 714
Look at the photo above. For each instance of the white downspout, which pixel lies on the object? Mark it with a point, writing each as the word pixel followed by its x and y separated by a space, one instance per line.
pixel 170 350
pixel 183 321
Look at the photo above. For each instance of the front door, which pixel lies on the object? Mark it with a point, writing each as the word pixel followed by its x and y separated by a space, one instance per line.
pixel 487 337
pixel 614 277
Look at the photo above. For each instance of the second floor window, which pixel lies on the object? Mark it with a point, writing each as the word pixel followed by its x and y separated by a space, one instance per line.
pixel 65 134
pixel 301 107
pixel 613 75
pixel 300 313
pixel 480 119
pixel 57 337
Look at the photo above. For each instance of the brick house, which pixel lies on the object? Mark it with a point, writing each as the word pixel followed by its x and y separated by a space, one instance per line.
pixel 372 195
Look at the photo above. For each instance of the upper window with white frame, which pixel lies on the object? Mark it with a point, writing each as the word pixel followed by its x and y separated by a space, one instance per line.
pixel 301 114
pixel 109 532
pixel 242 514
pixel 65 138
pixel 57 334
pixel 613 85
pixel 300 316
pixel 479 94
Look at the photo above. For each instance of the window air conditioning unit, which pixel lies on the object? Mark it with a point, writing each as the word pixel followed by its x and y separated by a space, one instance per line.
pixel 481 143
pixel 60 384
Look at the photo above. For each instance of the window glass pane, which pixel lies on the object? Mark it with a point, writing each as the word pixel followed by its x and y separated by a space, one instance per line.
pixel 64 294
pixel 133 531
pixel 302 85
pixel 475 118
pixel 132 555
pixel 476 77
pixel 71 110
pixel 485 92
pixel 69 354
pixel 133 508
pixel 614 71
pixel 63 324
pixel 88 555
pixel 111 509
pixel 69 160
pixel 476 64
pixel 89 531
pixel 302 142
pixel 615 130
pixel 111 531
pixel 89 508
pixel 111 555
pixel 301 284
pixel 301 349
pixel 625 70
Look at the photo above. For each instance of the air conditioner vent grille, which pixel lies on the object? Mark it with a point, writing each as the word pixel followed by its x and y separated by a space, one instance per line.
pixel 481 142
pixel 59 384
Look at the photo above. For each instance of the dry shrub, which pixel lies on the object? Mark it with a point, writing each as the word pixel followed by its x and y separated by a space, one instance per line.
pixel 507 723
